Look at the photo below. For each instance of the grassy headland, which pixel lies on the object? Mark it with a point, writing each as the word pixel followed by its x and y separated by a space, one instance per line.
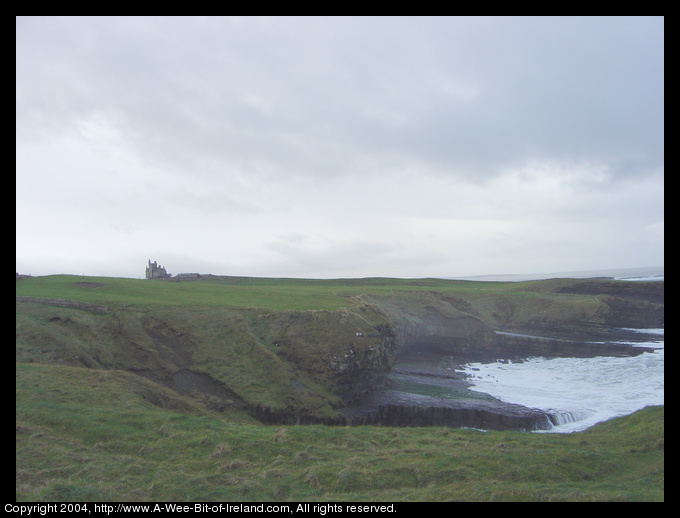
pixel 153 400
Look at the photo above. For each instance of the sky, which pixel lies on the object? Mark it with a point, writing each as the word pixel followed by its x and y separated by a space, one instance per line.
pixel 339 147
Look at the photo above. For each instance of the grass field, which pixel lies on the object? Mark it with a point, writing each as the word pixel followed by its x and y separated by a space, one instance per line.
pixel 87 435
pixel 496 303
pixel 256 293
pixel 88 429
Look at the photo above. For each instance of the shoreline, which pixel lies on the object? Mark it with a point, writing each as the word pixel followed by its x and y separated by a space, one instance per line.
pixel 432 390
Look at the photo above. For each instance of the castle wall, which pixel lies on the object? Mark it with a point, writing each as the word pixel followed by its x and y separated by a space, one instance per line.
pixel 154 271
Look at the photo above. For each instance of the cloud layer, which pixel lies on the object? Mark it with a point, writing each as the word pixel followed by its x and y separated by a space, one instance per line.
pixel 327 147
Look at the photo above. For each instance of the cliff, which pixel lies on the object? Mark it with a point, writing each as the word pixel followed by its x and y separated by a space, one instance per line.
pixel 436 333
pixel 349 351
pixel 322 365
pixel 560 317
pixel 390 408
pixel 289 365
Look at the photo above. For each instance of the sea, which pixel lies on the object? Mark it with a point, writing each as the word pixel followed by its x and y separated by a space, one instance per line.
pixel 581 392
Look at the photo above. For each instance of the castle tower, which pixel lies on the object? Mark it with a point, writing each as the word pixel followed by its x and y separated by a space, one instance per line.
pixel 155 271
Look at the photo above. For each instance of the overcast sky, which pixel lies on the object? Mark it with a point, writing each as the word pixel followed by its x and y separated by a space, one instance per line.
pixel 339 147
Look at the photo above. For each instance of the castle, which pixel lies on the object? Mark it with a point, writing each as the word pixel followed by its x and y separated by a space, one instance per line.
pixel 154 271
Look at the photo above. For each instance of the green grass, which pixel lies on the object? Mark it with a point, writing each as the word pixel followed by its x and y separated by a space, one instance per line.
pixel 498 304
pixel 216 342
pixel 84 435
pixel 233 293
pixel 88 429
pixel 243 292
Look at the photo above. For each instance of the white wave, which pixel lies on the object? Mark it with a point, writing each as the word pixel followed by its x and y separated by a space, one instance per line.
pixel 561 418
pixel 651 331
pixel 642 278
pixel 579 392
pixel 650 344
pixel 623 274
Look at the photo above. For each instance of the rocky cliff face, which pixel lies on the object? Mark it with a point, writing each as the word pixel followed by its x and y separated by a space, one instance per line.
pixel 465 416
pixel 434 324
pixel 301 366
pixel 349 350
pixel 435 332
pixel 633 313
pixel 543 320
pixel 385 408
pixel 628 304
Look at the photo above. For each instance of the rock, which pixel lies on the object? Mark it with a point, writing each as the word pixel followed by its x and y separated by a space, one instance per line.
pixel 402 409
pixel 326 346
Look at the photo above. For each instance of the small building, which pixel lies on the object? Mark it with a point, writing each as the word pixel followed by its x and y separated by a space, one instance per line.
pixel 188 276
pixel 155 271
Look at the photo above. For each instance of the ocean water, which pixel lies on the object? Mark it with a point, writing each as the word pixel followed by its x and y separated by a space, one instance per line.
pixel 579 391
pixel 629 274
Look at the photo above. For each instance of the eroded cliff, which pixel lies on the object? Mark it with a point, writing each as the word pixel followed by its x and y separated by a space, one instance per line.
pixel 559 317
pixel 314 365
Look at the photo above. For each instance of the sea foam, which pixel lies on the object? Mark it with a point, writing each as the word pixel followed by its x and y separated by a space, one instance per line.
pixel 578 392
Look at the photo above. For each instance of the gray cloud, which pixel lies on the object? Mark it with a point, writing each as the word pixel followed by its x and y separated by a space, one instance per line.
pixel 370 132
